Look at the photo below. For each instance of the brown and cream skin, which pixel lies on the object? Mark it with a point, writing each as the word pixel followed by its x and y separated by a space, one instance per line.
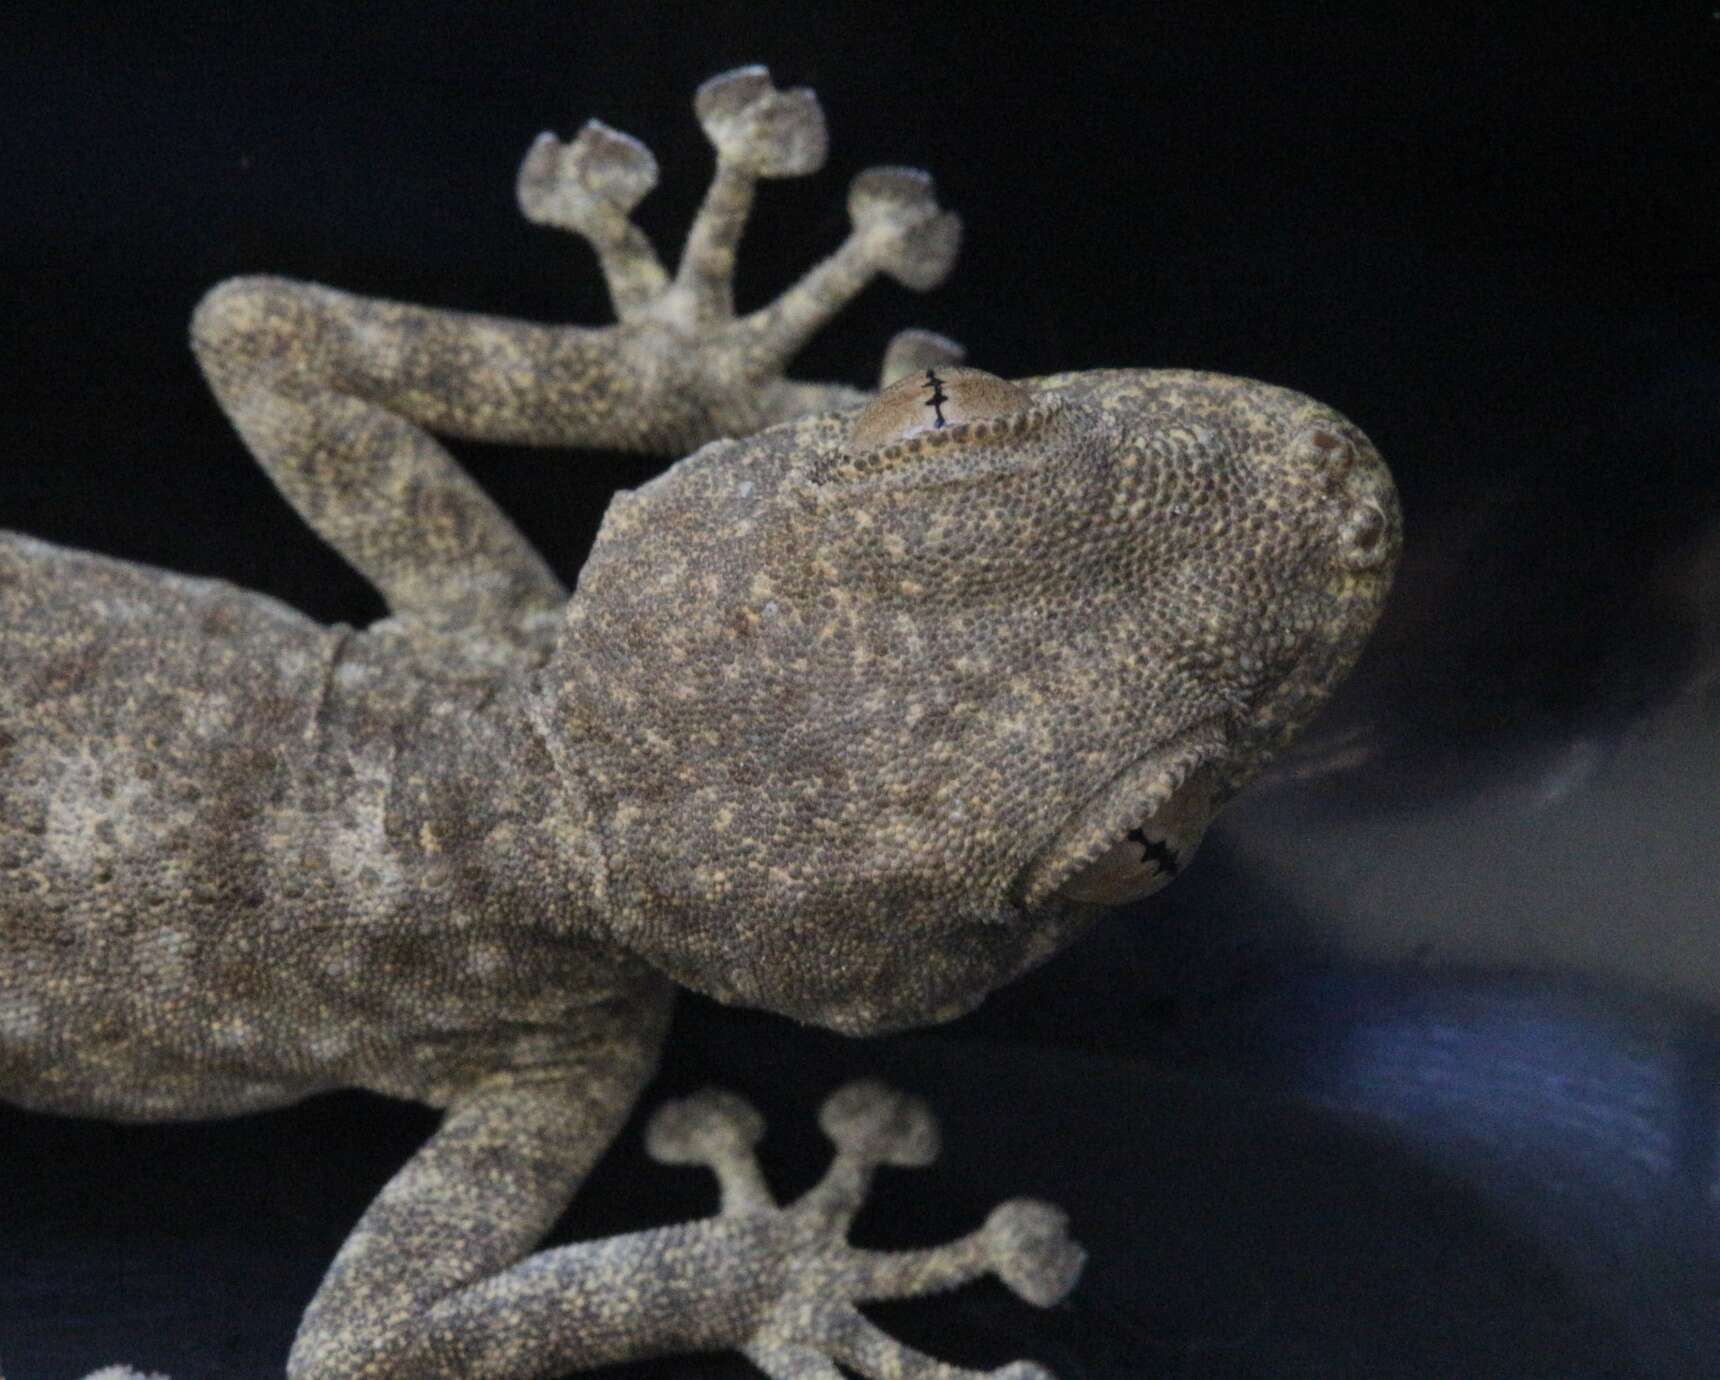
pixel 853 719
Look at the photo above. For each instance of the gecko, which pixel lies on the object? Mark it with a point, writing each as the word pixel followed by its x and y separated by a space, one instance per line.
pixel 867 705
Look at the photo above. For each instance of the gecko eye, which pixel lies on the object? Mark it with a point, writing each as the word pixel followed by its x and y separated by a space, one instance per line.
pixel 1135 866
pixel 943 424
pixel 932 400
pixel 1131 839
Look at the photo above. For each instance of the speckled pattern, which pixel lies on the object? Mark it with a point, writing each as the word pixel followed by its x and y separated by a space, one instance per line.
pixel 853 719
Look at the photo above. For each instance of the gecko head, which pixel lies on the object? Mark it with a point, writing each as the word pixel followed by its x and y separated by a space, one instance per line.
pixel 875 710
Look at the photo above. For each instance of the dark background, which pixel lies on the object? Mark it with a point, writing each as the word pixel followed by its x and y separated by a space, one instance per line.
pixel 1418 1072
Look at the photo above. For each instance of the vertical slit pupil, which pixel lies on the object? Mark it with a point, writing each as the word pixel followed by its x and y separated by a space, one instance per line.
pixel 939 397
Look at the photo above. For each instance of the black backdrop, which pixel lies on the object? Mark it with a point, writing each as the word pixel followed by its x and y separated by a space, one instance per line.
pixel 1416 1073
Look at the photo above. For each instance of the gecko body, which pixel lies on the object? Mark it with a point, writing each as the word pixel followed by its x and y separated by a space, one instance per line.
pixel 864 707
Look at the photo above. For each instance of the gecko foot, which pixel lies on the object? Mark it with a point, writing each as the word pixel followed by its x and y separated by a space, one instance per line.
pixel 810 1323
pixel 755 127
pixel 590 185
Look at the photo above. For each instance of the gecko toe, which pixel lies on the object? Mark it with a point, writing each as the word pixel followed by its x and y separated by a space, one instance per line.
pixel 765 132
pixel 587 185
pixel 703 1128
pixel 877 1125
pixel 611 165
pixel 1032 1252
pixel 896 212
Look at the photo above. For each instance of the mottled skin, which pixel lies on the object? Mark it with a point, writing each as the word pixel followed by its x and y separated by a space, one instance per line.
pixel 853 719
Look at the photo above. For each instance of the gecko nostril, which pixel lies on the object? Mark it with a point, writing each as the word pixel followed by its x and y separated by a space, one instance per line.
pixel 1325 450
pixel 1361 538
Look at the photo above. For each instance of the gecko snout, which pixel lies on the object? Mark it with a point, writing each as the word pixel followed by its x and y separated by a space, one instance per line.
pixel 1346 465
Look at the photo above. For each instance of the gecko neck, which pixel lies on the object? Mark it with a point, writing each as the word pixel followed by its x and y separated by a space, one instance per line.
pixel 508 962
pixel 504 806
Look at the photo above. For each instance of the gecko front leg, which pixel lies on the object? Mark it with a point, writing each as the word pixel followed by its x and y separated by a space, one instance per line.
pixel 337 395
pixel 431 1282
pixel 805 1321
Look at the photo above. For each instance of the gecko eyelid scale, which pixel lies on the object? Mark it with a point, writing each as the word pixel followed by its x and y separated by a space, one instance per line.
pixel 867 705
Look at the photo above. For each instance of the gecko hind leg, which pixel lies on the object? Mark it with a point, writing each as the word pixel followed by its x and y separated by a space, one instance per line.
pixel 813 1324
